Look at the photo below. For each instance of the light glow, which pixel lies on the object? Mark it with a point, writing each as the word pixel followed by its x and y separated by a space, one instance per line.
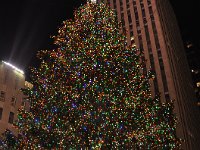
pixel 15 68
pixel 93 1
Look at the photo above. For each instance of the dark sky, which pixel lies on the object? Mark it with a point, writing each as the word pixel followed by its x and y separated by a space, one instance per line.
pixel 26 25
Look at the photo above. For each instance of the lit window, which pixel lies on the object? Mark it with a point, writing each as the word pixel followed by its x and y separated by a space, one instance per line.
pixel 198 84
pixel 2 96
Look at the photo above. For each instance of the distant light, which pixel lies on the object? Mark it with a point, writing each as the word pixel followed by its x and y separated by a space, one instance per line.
pixel 93 1
pixel 189 45
pixel 15 68
pixel 198 84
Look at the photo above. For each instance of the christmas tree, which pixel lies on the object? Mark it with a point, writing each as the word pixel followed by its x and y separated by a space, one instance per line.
pixel 7 140
pixel 92 92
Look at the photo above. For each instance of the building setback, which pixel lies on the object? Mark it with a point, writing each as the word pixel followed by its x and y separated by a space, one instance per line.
pixel 152 25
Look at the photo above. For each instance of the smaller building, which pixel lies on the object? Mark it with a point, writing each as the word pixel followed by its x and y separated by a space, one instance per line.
pixel 12 80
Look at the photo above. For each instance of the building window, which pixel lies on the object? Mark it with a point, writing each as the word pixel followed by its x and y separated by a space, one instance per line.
pixel 141 46
pixel 11 118
pixel 122 20
pixel 124 30
pixel 115 5
pixel 142 6
pixel 152 18
pixel 161 64
pixel 150 11
pixel 155 82
pixel 155 35
pixel 24 100
pixel 2 96
pixel 13 101
pixel 121 8
pixel 137 23
pixel 127 6
pixel 136 16
pixel 121 5
pixel 134 2
pixel 145 21
pixel 151 61
pixel 131 27
pixel 1 112
pixel 129 18
pixel 164 81
pixel 131 33
pixel 149 2
pixel 122 16
pixel 123 23
pixel 167 97
pixel 139 30
pixel 159 53
pixel 198 84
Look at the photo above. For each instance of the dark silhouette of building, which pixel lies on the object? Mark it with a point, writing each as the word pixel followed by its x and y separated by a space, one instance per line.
pixel 193 56
pixel 152 25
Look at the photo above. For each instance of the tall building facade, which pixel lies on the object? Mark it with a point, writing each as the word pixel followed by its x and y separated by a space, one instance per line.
pixel 11 98
pixel 152 25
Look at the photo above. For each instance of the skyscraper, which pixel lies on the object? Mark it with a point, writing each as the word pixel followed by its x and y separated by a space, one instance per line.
pixel 152 25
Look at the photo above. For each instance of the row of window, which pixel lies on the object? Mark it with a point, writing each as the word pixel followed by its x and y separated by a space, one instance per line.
pixel 13 99
pixel 11 116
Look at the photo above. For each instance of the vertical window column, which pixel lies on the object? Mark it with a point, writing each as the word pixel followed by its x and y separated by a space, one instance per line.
pixel 163 75
pixel 1 112
pixel 2 96
pixel 11 118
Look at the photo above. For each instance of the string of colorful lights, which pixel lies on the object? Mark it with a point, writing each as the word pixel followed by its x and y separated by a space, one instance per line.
pixel 92 93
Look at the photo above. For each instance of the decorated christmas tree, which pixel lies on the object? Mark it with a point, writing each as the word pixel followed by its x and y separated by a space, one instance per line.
pixel 92 92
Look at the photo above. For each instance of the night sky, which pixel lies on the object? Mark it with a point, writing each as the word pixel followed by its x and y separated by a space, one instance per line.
pixel 26 25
